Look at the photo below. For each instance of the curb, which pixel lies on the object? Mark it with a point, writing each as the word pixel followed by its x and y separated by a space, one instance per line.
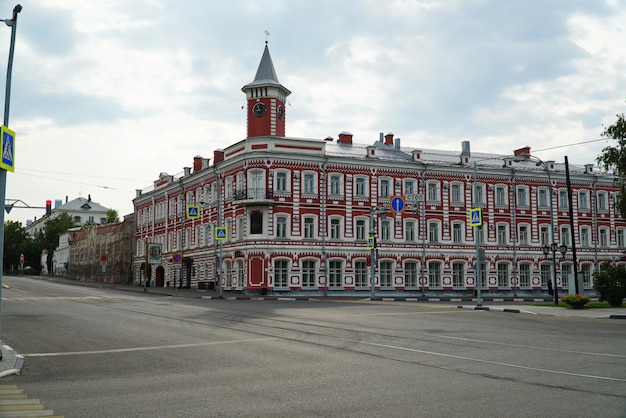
pixel 19 362
pixel 487 308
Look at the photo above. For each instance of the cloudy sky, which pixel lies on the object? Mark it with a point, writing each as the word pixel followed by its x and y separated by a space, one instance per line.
pixel 107 94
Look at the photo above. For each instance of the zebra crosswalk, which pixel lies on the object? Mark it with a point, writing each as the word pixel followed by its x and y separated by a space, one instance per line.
pixel 14 403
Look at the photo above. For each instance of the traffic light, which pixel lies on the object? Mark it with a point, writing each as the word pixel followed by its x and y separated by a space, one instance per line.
pixel 48 207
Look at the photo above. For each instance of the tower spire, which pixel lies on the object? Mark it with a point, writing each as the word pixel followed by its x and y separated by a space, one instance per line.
pixel 266 99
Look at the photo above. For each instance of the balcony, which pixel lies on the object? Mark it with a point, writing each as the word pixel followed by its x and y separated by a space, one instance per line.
pixel 259 196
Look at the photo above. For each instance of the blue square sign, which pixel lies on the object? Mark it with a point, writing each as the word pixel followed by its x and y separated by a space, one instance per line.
pixel 8 149
pixel 476 217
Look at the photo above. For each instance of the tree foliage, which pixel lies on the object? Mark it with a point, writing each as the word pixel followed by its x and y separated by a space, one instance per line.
pixel 613 158
pixel 112 216
pixel 48 237
pixel 16 242
pixel 610 282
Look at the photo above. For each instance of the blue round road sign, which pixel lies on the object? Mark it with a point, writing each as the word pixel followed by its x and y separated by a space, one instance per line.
pixel 397 204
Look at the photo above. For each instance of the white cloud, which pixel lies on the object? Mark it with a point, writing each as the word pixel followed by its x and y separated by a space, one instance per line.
pixel 115 92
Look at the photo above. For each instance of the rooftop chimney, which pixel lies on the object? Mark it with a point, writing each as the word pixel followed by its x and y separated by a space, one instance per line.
pixel 197 163
pixel 218 156
pixel 345 138
pixel 522 152
pixel 389 139
pixel 465 149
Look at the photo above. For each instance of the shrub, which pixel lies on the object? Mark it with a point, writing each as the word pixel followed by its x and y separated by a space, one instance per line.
pixel 576 300
pixel 610 282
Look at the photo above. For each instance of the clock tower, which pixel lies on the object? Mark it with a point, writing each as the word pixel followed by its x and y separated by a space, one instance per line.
pixel 266 100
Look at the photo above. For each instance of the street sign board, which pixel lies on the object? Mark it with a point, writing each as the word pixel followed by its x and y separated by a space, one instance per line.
pixel 414 197
pixel 177 258
pixel 221 233
pixel 7 161
pixel 104 258
pixel 371 242
pixel 193 212
pixel 397 204
pixel 476 217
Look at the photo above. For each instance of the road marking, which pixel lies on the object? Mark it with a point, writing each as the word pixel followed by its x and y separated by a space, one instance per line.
pixel 13 402
pixel 497 363
pixel 73 298
pixel 158 347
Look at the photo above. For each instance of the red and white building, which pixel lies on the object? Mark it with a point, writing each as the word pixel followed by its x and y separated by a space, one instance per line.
pixel 296 214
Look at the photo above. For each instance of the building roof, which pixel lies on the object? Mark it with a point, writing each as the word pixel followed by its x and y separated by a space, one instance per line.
pixel 80 204
pixel 438 157
pixel 265 74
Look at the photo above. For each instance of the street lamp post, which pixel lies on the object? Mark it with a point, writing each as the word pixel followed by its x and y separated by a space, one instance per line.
pixel 3 173
pixel 563 250
pixel 553 246
pixel 546 250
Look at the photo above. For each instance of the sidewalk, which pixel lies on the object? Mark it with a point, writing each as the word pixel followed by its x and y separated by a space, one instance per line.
pixel 11 363
pixel 562 310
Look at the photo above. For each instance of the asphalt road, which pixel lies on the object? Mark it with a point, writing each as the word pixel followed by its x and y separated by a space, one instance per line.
pixel 102 352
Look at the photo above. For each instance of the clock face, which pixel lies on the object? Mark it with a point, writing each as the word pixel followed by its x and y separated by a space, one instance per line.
pixel 280 111
pixel 259 110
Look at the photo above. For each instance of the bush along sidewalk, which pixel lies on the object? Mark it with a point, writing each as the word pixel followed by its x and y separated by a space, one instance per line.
pixel 610 282
pixel 576 301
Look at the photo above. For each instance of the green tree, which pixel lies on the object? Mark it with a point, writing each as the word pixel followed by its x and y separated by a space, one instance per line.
pixel 48 237
pixel 613 158
pixel 610 282
pixel 15 243
pixel 112 216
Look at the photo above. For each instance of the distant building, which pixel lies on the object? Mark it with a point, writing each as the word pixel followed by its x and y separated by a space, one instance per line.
pixel 81 210
pixel 274 213
pixel 102 253
pixel 61 256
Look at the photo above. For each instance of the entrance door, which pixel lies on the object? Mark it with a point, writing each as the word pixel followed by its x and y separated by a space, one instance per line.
pixel 256 271
pixel 188 274
pixel 160 276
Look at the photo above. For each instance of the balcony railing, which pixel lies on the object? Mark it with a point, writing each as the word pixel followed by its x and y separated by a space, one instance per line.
pixel 254 194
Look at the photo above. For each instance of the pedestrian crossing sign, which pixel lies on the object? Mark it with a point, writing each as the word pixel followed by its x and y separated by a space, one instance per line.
pixel 371 242
pixel 193 212
pixel 221 233
pixel 8 149
pixel 476 217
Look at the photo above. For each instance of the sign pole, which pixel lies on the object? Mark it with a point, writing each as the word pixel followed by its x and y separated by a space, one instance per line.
pixel 3 173
pixel 372 256
pixel 477 230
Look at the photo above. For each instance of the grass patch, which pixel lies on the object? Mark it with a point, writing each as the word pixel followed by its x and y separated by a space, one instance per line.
pixel 590 305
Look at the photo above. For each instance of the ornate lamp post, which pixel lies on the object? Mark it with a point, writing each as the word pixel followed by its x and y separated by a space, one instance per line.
pixel 546 250
pixel 563 250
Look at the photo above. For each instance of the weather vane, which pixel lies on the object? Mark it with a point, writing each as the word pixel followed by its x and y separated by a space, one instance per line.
pixel 266 35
